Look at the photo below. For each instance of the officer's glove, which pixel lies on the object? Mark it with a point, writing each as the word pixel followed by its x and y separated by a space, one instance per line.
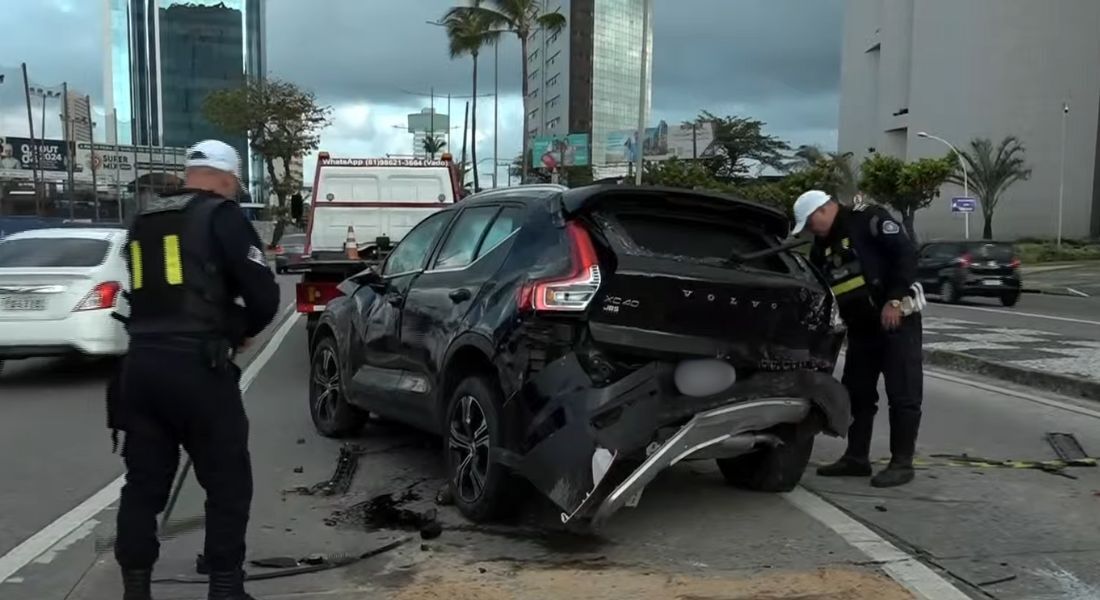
pixel 915 301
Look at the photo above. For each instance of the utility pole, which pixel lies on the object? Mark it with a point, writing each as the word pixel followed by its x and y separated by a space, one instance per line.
pixel 70 146
pixel 118 164
pixel 639 145
pixel 91 144
pixel 431 118
pixel 1062 173
pixel 496 108
pixel 465 128
pixel 36 166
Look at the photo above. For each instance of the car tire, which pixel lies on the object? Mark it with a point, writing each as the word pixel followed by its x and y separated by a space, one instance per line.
pixel 775 468
pixel 1010 299
pixel 328 405
pixel 1 368
pixel 474 425
pixel 950 292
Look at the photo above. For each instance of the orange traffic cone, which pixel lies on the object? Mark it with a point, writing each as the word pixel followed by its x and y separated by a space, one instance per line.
pixel 351 247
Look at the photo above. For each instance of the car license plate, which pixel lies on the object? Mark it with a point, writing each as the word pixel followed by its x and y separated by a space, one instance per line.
pixel 991 282
pixel 20 303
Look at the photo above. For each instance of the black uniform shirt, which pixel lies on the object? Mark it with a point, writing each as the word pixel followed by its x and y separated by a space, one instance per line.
pixel 245 266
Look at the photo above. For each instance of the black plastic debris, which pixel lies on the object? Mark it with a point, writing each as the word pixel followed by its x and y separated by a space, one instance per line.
pixel 431 530
pixel 275 562
pixel 301 441
pixel 445 496
pixel 298 469
pixel 342 475
pixel 880 508
pixel 313 559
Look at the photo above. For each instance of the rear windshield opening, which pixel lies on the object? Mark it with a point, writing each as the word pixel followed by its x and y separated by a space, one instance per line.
pixel 706 241
pixel 998 252
pixel 53 252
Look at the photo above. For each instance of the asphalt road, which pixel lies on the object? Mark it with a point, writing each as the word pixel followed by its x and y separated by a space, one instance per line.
pixel 992 532
pixel 1065 315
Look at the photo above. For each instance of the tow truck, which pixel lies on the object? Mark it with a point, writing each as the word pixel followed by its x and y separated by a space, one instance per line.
pixel 360 209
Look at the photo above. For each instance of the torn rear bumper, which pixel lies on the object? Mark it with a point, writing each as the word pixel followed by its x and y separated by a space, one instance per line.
pixel 593 450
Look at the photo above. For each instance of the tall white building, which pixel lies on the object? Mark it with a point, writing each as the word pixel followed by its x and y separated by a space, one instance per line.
pixel 961 69
pixel 586 78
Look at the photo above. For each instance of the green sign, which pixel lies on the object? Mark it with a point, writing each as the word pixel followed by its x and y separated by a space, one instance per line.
pixel 553 152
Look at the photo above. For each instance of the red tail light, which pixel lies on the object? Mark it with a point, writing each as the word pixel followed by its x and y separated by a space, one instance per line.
pixel 277 249
pixel 312 297
pixel 964 261
pixel 574 292
pixel 102 296
pixel 1015 264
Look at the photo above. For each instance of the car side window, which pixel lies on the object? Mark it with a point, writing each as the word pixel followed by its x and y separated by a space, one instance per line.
pixel 506 222
pixel 458 251
pixel 411 254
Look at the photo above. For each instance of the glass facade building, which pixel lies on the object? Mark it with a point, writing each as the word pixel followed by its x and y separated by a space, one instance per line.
pixel 586 79
pixel 164 57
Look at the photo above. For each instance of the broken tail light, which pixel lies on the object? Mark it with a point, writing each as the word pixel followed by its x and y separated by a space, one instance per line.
pixel 102 296
pixel 573 293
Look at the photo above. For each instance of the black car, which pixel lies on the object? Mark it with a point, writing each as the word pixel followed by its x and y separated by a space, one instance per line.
pixel 587 339
pixel 289 251
pixel 954 270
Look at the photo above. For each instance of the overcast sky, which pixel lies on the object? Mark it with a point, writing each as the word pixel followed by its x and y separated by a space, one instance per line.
pixel 775 60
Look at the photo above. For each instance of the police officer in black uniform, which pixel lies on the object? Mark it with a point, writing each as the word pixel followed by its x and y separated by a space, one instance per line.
pixel 191 255
pixel 871 264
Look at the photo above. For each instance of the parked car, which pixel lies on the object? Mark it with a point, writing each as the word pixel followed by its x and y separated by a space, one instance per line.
pixel 58 287
pixel 290 250
pixel 955 270
pixel 586 340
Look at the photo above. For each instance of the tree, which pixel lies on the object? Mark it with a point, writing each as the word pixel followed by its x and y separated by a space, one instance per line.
pixel 991 171
pixel 282 122
pixel 736 140
pixel 519 17
pixel 678 173
pixel 905 187
pixel 469 31
pixel 519 167
pixel 838 176
pixel 434 145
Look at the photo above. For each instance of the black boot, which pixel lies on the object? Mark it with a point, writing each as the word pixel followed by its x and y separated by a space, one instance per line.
pixel 136 584
pixel 898 472
pixel 846 467
pixel 227 585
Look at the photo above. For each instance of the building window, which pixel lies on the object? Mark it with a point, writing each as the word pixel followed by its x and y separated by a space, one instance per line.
pixel 553 80
pixel 533 74
pixel 553 59
pixel 553 123
pixel 533 114
pixel 551 103
pixel 533 93
pixel 534 55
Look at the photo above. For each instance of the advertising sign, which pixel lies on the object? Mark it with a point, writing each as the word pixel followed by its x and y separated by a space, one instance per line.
pixel 119 163
pixel 18 153
pixel 964 205
pixel 662 143
pixel 551 152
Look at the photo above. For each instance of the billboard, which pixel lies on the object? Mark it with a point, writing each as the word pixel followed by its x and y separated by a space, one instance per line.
pixel 551 152
pixel 662 143
pixel 118 163
pixel 19 153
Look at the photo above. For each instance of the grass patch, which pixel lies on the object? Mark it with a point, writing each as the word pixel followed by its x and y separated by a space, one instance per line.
pixel 1035 252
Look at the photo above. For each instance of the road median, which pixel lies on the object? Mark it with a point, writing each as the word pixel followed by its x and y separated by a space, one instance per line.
pixel 1067 385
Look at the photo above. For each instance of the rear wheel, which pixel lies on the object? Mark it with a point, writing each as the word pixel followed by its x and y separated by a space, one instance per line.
pixel 950 292
pixel 1010 298
pixel 483 489
pixel 328 405
pixel 778 468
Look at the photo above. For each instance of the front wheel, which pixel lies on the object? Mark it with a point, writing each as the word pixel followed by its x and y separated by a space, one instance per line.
pixel 328 401
pixel 483 489
pixel 950 292
pixel 1010 299
pixel 778 468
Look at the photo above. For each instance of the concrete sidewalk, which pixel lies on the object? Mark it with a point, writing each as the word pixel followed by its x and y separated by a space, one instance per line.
pixel 1069 279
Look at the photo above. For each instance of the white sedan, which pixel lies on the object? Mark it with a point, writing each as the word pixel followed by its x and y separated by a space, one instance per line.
pixel 58 288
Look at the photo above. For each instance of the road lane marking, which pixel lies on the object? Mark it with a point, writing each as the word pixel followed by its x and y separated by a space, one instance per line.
pixel 1013 313
pixel 41 542
pixel 903 568
pixel 1022 395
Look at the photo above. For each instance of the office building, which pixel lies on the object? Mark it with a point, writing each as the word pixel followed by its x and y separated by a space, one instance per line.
pixel 981 68
pixel 429 122
pixel 80 127
pixel 164 57
pixel 586 78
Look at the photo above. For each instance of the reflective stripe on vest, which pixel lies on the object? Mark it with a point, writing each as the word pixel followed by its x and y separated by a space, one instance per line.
pixel 173 262
pixel 849 286
pixel 136 275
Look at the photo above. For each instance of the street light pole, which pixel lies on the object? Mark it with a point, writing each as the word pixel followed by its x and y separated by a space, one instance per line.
pixel 1062 172
pixel 639 143
pixel 962 165
pixel 496 108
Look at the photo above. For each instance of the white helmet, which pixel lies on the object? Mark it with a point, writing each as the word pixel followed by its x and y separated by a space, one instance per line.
pixel 805 206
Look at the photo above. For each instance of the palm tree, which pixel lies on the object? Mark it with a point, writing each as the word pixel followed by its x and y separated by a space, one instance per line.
pixel 469 31
pixel 842 173
pixel 433 145
pixel 522 18
pixel 991 171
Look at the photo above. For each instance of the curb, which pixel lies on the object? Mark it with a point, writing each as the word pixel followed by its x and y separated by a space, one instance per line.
pixel 1067 385
pixel 1050 292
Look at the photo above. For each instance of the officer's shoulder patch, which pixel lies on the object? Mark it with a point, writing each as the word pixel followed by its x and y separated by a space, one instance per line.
pixel 257 256
pixel 890 227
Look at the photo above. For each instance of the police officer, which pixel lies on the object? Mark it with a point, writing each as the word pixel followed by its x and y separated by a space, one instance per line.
pixel 871 264
pixel 191 255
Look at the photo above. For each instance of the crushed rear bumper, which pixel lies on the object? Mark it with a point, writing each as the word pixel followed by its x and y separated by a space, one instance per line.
pixel 593 450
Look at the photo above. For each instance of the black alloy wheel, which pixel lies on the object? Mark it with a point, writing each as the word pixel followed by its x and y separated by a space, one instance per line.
pixel 328 406
pixel 483 489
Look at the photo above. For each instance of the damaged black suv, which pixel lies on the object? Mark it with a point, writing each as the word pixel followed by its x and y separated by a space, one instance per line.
pixel 587 339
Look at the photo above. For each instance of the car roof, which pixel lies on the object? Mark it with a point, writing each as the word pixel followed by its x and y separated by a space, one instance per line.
pixel 515 192
pixel 970 242
pixel 95 233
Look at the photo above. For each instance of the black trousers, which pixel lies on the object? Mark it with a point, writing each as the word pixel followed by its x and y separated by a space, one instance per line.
pixel 895 355
pixel 171 397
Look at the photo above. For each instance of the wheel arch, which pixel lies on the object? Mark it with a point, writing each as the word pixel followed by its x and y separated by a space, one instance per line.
pixel 468 354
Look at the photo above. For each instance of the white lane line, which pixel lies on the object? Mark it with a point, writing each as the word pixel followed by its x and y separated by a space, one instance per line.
pixel 1013 313
pixel 1067 406
pixel 66 524
pixel 914 575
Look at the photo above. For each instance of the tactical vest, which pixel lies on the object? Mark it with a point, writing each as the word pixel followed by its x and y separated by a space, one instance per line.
pixel 176 284
pixel 848 279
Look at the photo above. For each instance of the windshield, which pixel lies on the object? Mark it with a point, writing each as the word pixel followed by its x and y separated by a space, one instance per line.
pixel 53 252
pixel 999 252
